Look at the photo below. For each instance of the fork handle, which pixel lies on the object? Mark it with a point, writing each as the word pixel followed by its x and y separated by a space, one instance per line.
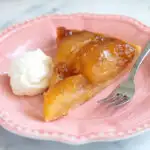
pixel 140 59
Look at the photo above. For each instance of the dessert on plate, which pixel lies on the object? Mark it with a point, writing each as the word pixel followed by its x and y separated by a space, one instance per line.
pixel 85 64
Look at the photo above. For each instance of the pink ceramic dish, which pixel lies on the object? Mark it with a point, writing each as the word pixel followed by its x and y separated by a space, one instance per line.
pixel 91 121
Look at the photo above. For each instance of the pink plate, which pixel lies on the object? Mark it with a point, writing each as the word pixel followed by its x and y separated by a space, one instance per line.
pixel 91 121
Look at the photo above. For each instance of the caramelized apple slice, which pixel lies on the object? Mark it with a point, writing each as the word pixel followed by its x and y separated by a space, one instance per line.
pixel 67 94
pixel 69 45
pixel 67 48
pixel 99 62
pixel 63 96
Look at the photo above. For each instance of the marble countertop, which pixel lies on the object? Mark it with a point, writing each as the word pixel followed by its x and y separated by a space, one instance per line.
pixel 14 11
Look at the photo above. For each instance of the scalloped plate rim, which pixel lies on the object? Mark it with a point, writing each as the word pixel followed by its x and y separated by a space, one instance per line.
pixel 77 143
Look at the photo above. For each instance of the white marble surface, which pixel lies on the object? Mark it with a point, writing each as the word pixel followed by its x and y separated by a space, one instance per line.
pixel 13 11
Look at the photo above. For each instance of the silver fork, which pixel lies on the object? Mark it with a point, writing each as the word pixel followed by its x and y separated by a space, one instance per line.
pixel 123 93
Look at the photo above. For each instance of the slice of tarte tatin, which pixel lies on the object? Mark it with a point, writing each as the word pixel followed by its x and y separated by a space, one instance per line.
pixel 85 64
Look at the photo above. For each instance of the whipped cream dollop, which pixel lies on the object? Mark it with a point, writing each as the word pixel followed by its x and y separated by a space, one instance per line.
pixel 30 73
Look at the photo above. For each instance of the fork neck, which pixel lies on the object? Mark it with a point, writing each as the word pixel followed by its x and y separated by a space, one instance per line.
pixel 139 61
